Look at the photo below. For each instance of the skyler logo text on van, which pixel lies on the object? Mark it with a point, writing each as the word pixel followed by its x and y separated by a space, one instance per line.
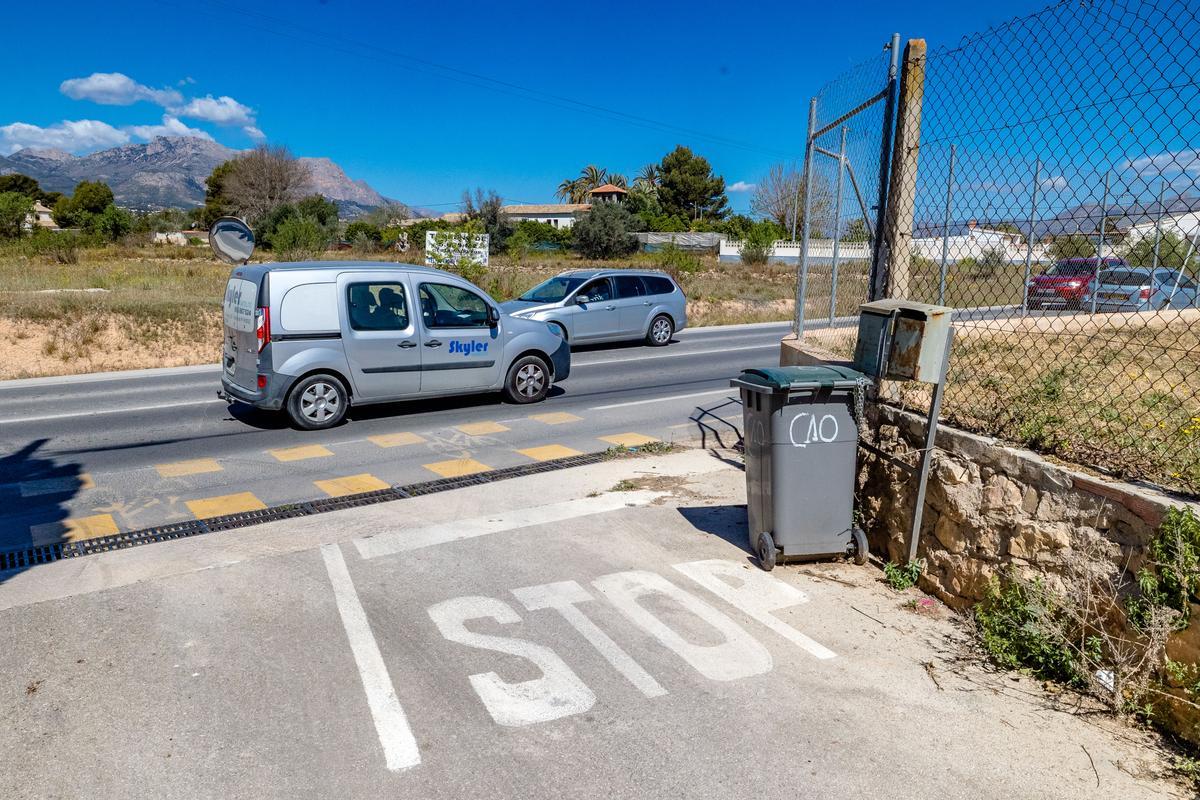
pixel 467 348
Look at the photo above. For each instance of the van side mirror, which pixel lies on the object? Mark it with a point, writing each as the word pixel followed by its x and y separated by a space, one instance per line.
pixel 493 316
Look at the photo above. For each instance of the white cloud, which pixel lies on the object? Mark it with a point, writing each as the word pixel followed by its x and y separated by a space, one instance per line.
pixel 1180 161
pixel 74 136
pixel 1055 183
pixel 254 133
pixel 171 126
pixel 116 89
pixel 741 186
pixel 222 110
pixel 185 81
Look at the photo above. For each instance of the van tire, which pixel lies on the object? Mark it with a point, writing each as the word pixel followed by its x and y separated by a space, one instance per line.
pixel 317 402
pixel 528 380
pixel 660 332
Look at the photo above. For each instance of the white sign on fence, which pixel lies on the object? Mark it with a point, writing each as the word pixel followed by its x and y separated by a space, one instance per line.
pixel 446 248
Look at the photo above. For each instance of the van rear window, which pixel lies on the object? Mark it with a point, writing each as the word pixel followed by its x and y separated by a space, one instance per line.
pixel 657 285
pixel 241 299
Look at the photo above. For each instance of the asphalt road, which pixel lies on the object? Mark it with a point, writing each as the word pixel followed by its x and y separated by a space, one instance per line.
pixel 92 455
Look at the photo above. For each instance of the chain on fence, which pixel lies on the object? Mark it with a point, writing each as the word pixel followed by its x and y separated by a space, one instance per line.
pixel 1056 205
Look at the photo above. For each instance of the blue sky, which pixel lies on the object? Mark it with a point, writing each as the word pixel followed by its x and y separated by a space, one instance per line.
pixel 355 81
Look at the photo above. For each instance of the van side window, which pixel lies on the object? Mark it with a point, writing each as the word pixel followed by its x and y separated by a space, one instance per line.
pixel 629 286
pixel 446 306
pixel 377 306
pixel 657 285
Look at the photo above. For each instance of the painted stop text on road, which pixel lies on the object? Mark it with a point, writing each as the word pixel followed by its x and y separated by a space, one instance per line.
pixel 731 653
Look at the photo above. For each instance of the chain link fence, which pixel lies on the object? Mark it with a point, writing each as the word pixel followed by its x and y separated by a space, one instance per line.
pixel 1056 204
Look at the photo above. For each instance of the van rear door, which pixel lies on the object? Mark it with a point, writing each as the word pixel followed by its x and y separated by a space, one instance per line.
pixel 241 346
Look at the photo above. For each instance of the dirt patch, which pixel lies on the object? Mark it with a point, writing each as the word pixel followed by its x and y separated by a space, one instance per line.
pixel 94 342
pixel 674 488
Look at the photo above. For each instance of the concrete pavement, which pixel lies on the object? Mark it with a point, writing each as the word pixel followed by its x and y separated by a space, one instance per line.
pixel 542 637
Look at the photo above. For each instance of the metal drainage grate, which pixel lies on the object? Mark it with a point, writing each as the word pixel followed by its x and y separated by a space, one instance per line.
pixel 44 554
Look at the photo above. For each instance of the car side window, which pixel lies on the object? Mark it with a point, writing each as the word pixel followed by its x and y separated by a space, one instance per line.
pixel 597 291
pixel 446 306
pixel 377 306
pixel 629 286
pixel 657 285
pixel 1186 283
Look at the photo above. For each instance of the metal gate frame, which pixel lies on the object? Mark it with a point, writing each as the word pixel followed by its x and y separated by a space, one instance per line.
pixel 887 95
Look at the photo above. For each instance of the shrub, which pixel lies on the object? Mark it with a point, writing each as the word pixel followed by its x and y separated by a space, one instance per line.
pixel 901 577
pixel 604 232
pixel 364 230
pixel 756 247
pixel 299 239
pixel 676 262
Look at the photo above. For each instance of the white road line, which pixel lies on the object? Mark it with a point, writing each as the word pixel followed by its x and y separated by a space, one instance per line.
pixel 660 399
pixel 386 544
pixel 123 410
pixel 678 354
pixel 399 745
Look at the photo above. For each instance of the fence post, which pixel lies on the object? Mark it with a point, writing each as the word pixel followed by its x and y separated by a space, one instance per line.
pixel 1162 187
pixel 802 281
pixel 1033 218
pixel 875 276
pixel 837 226
pixel 946 229
pixel 1095 281
pixel 902 191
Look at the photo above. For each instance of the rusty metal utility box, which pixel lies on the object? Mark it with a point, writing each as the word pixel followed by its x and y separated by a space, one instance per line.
pixel 902 340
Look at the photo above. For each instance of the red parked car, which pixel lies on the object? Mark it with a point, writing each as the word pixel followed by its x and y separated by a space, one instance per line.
pixel 1069 283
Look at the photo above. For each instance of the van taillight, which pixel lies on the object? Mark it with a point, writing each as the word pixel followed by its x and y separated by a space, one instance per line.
pixel 262 319
pixel 1145 293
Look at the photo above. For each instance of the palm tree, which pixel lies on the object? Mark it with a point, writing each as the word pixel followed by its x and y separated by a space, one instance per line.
pixel 567 190
pixel 592 176
pixel 648 176
pixel 617 179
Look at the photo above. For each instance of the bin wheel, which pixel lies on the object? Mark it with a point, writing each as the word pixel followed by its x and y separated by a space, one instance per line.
pixel 766 551
pixel 858 548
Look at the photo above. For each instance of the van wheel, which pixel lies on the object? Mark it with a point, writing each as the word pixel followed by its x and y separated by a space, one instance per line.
pixel 528 380
pixel 318 401
pixel 661 331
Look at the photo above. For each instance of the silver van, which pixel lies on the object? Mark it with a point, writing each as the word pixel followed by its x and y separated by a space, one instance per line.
pixel 316 337
pixel 593 305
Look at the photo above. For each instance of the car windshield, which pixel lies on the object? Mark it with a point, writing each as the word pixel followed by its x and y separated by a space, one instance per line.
pixel 1064 269
pixel 553 290
pixel 1124 277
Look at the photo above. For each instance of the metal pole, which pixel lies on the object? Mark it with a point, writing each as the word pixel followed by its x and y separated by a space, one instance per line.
pixel 1158 224
pixel 802 283
pixel 1095 284
pixel 837 225
pixel 935 410
pixel 946 228
pixel 879 254
pixel 808 143
pixel 1033 220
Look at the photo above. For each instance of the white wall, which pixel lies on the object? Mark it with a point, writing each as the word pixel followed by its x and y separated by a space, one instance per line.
pixel 557 220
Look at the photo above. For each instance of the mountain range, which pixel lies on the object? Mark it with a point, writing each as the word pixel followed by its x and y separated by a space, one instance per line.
pixel 170 172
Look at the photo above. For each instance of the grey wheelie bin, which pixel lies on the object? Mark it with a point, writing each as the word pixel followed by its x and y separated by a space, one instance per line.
pixel 801 441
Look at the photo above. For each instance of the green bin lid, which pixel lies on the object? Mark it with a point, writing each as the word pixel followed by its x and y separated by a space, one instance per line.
pixel 779 378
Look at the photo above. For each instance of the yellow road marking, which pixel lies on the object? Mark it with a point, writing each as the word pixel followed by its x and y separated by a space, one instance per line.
pixel 73 530
pixel 396 439
pixel 555 418
pixel 456 467
pixel 628 439
pixel 60 485
pixel 351 484
pixel 177 469
pixel 224 504
pixel 548 452
pixel 481 428
pixel 300 453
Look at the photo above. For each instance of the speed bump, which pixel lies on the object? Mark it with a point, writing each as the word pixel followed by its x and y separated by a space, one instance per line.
pixel 74 529
pixel 221 505
pixel 481 428
pixel 457 467
pixel 196 466
pixel 351 484
pixel 628 439
pixel 548 452
pixel 300 453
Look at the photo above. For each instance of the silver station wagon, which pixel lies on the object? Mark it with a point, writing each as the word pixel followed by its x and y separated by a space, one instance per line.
pixel 314 338
pixel 606 306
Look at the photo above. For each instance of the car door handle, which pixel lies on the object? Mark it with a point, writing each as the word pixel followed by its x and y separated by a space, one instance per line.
pixel 433 343
pixel 610 308
pixel 407 344
pixel 645 302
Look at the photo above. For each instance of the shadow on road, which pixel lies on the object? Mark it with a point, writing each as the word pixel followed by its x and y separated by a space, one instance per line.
pixel 34 492
pixel 714 427
pixel 725 522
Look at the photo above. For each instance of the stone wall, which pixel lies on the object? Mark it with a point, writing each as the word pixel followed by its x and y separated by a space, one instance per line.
pixel 990 507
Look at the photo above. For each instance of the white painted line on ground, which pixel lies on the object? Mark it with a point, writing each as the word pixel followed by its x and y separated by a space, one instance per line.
pixel 123 410
pixel 660 399
pixel 399 745
pixel 386 544
pixel 677 354
pixel 94 377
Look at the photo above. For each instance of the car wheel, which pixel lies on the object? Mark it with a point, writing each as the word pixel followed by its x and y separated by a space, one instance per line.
pixel 318 402
pixel 528 380
pixel 661 331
